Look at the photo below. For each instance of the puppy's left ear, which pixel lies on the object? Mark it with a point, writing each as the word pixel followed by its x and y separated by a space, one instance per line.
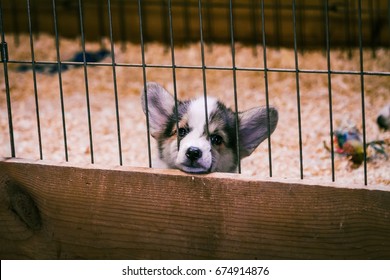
pixel 160 104
pixel 253 128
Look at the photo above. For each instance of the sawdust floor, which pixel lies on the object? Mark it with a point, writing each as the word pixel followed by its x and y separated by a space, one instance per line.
pixel 314 98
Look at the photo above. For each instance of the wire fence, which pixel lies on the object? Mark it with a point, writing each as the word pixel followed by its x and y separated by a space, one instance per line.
pixel 343 23
pixel 215 17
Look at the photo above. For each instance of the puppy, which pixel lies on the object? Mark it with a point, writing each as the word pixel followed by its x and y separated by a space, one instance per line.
pixel 190 142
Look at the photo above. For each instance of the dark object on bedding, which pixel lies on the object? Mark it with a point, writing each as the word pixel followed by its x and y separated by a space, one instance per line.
pixel 383 119
pixel 78 58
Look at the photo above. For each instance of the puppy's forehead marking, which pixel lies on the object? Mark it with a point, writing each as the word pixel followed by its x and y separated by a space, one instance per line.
pixel 196 112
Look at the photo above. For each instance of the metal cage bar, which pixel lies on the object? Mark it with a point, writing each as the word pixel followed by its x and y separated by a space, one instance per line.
pixel 298 89
pixel 86 83
pixel 172 45
pixel 211 67
pixel 112 48
pixel 122 24
pixel 266 86
pixel 234 72
pixel 330 100
pixel 101 26
pixel 144 81
pixel 59 67
pixel 261 14
pixel 34 79
pixel 375 18
pixel 362 90
pixel 202 43
pixel 4 60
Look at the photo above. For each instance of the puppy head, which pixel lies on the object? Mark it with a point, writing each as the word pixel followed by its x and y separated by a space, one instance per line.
pixel 189 141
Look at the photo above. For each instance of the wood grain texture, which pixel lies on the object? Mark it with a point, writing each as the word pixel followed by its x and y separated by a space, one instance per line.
pixel 90 212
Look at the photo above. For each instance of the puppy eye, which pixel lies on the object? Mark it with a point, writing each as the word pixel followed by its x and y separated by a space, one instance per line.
pixel 216 139
pixel 182 132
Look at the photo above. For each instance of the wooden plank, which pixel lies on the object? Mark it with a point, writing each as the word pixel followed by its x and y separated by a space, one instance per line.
pixel 92 212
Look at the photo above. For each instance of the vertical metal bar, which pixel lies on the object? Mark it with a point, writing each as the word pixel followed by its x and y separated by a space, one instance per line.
pixel 113 63
pixel 59 67
pixel 172 44
pixel 362 87
pixel 298 89
pixel 35 20
pixel 122 23
pixel 144 79
pixel 266 86
pixel 100 14
pixel 323 19
pixel 15 22
pixel 78 18
pixel 379 23
pixel 164 23
pixel 144 22
pixel 302 23
pixel 209 25
pixel 203 65
pixel 277 22
pixel 388 21
pixel 348 28
pixel 187 28
pixel 86 80
pixel 326 7
pixel 34 79
pixel 233 50
pixel 255 31
pixel 374 29
pixel 353 18
pixel 4 60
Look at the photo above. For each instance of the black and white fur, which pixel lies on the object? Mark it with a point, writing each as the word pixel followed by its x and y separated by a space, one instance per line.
pixel 191 148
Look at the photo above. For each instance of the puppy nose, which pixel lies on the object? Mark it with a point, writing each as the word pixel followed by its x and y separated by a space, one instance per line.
pixel 193 153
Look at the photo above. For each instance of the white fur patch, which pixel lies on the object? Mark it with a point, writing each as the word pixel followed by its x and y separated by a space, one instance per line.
pixel 197 136
pixel 196 112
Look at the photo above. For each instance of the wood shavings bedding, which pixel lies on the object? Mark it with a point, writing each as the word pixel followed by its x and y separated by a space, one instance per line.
pixel 314 98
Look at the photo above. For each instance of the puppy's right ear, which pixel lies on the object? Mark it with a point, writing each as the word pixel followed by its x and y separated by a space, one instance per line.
pixel 160 104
